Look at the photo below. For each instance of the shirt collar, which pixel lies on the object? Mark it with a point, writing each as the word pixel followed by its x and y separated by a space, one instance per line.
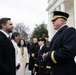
pixel 7 35
pixel 61 27
pixel 41 46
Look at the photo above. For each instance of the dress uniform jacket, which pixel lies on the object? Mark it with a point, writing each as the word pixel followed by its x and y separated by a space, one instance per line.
pixel 62 52
pixel 7 56
pixel 40 65
pixel 33 49
pixel 48 65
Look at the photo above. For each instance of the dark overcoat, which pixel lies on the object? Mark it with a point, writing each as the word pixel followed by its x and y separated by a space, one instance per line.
pixel 62 52
pixel 33 49
pixel 7 56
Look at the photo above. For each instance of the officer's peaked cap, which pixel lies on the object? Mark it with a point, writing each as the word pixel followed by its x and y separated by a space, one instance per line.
pixel 60 14
pixel 42 39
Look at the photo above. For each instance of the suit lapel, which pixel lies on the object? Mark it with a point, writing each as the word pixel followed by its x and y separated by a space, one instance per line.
pixel 9 41
pixel 41 50
pixel 6 39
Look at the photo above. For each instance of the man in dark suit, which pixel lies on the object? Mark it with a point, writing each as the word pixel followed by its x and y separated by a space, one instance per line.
pixel 62 46
pixel 33 50
pixel 7 51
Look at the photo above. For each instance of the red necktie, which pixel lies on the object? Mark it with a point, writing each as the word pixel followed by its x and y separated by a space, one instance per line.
pixel 9 38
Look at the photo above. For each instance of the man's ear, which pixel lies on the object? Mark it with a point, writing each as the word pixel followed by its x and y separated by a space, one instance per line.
pixel 63 21
pixel 3 26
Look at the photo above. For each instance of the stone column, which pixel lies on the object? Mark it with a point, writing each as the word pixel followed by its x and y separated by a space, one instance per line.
pixel 57 8
pixel 75 13
pixel 50 26
pixel 62 7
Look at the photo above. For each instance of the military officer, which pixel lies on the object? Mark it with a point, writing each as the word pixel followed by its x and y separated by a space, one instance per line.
pixel 40 65
pixel 62 46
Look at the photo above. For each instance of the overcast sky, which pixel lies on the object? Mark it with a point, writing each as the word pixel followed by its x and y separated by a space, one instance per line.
pixel 30 12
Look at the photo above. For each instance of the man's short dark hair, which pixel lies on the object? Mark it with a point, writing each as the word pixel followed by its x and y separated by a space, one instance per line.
pixel 3 21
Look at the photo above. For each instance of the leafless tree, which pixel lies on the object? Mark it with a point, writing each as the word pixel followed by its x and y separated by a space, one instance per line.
pixel 22 29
